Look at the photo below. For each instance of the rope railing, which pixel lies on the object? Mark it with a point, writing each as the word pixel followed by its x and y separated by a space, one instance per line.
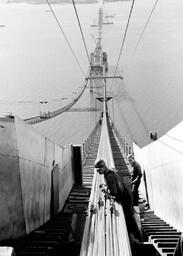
pixel 105 232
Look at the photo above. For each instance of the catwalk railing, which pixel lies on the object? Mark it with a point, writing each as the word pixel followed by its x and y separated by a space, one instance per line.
pixel 124 146
pixel 105 228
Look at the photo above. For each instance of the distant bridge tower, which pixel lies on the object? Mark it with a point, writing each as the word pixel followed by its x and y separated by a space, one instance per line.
pixel 98 58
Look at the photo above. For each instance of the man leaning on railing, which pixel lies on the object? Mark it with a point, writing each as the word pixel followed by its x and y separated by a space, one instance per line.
pixel 123 195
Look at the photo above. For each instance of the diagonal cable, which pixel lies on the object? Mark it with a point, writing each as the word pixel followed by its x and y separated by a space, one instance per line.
pixel 58 23
pixel 124 37
pixel 81 31
pixel 147 22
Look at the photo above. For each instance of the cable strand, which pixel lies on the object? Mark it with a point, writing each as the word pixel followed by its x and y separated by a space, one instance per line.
pixel 81 31
pixel 123 41
pixel 58 23
pixel 145 26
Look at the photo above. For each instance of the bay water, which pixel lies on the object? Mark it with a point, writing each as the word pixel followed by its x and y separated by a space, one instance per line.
pixel 39 73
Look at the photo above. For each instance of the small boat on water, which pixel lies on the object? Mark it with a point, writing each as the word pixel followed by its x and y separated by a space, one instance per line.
pixel 108 23
pixel 104 23
pixel 109 16
pixel 94 25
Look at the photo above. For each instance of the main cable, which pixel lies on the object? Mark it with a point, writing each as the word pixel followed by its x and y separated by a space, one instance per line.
pixel 58 23
pixel 147 22
pixel 81 31
pixel 82 34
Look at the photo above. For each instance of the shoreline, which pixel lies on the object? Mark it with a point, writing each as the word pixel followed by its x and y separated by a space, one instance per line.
pixel 59 2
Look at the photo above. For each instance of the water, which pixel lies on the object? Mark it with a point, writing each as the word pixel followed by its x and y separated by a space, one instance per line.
pixel 37 65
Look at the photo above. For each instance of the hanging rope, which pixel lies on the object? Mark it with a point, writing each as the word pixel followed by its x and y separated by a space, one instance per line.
pixel 145 26
pixel 134 106
pixel 123 41
pixel 81 31
pixel 58 23
pixel 125 122
pixel 113 110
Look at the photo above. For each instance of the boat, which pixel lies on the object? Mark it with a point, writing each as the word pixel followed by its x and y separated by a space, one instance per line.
pixel 94 25
pixel 108 23
pixel 109 16
pixel 51 197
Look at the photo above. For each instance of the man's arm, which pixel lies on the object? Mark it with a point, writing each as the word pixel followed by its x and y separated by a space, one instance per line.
pixel 112 184
pixel 137 170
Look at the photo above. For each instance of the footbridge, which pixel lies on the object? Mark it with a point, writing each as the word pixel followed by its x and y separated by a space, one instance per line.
pixel 86 203
pixel 50 196
pixel 80 219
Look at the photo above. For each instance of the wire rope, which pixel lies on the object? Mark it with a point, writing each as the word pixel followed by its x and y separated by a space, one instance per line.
pixel 145 26
pixel 113 110
pixel 81 31
pixel 58 23
pixel 123 41
pixel 133 104
pixel 125 122
pixel 174 138
pixel 139 116
pixel 170 146
pixel 135 109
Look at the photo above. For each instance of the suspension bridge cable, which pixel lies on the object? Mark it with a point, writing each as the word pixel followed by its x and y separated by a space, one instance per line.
pixel 140 118
pixel 81 31
pixel 174 138
pixel 134 106
pixel 58 23
pixel 123 41
pixel 137 112
pixel 170 146
pixel 145 26
pixel 125 122
pixel 93 39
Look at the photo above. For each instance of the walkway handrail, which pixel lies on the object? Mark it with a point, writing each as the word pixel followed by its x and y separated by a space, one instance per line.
pixel 124 146
pixel 105 232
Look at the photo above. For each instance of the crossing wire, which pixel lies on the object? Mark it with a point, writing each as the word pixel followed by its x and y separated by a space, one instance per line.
pixel 81 31
pixel 58 23
pixel 145 26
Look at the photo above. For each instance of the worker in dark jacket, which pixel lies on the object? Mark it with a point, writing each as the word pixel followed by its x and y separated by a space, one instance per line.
pixel 123 195
pixel 136 178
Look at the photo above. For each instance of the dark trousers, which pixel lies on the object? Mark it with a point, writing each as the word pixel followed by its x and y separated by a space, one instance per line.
pixel 136 194
pixel 131 224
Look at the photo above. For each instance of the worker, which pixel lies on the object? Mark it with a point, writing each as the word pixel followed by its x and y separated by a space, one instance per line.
pixel 123 195
pixel 136 178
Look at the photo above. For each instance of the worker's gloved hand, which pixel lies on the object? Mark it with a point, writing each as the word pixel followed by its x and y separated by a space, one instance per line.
pixel 104 190
pixel 102 185
pixel 107 194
